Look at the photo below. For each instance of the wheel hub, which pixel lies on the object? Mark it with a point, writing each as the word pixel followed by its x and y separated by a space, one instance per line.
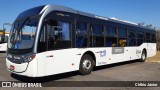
pixel 86 64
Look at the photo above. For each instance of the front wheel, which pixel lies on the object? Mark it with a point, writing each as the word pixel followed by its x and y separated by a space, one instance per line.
pixel 143 56
pixel 86 65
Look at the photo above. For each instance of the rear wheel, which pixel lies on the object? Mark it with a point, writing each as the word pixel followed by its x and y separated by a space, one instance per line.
pixel 86 65
pixel 143 56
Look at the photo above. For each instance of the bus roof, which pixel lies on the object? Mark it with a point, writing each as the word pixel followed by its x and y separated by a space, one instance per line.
pixel 67 9
pixel 53 7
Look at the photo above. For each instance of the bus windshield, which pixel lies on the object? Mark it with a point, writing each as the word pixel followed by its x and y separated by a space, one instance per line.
pixel 23 33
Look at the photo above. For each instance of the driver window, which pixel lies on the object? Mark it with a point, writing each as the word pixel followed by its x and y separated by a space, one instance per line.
pixel 42 44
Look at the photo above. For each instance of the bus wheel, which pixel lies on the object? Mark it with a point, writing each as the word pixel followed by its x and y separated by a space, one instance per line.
pixel 143 56
pixel 86 65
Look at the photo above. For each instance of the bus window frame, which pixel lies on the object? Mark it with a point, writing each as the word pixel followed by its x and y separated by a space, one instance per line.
pixel 113 37
pixel 91 34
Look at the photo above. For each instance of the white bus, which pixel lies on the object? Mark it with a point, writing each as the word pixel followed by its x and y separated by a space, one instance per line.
pixel 3 40
pixel 65 40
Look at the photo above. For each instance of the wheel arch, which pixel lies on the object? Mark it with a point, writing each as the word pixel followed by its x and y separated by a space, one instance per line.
pixel 92 55
pixel 144 49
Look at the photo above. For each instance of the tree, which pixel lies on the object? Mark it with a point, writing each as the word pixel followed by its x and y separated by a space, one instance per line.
pixel 158 39
pixel 141 24
pixel 149 26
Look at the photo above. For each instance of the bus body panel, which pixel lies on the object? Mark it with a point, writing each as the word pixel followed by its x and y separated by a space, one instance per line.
pixel 66 60
pixel 26 69
pixel 60 61
pixel 151 49
pixel 108 57
pixel 17 67
pixel 41 60
pixel 3 47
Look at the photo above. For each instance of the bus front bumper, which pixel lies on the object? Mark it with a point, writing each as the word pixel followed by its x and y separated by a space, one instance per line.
pixel 25 69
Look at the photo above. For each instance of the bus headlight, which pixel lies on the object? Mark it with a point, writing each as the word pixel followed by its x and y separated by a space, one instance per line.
pixel 30 58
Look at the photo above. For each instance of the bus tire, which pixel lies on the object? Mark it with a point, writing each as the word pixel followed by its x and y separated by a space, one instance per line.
pixel 143 56
pixel 86 65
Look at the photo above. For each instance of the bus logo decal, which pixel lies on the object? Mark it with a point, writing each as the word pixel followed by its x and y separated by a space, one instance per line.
pixel 102 53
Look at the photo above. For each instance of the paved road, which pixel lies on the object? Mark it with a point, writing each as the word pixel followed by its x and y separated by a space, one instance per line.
pixel 128 71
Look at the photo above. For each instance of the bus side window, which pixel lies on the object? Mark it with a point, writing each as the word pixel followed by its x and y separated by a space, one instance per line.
pixel 111 37
pixel 81 35
pixel 122 37
pixel 131 38
pixel 153 38
pixel 140 38
pixel 147 38
pixel 58 35
pixel 97 36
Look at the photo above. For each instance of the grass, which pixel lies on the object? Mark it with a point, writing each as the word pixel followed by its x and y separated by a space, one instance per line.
pixel 155 58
